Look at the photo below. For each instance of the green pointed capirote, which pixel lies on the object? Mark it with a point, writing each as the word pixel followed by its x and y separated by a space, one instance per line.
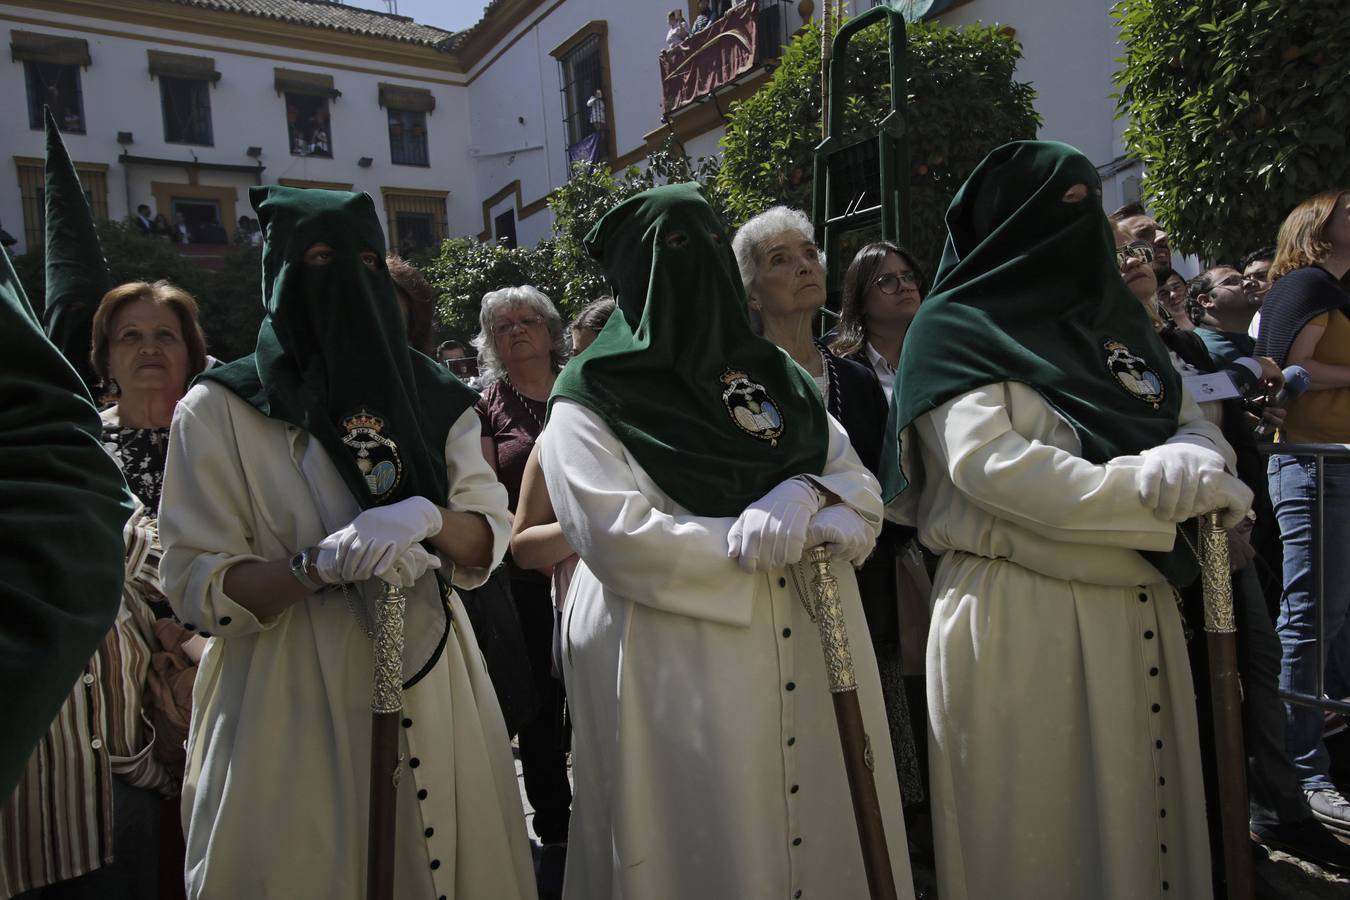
pixel 715 414
pixel 61 519
pixel 332 356
pixel 77 273
pixel 1028 290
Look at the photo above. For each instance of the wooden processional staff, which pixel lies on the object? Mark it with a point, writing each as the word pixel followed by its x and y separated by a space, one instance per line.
pixel 386 766
pixel 828 614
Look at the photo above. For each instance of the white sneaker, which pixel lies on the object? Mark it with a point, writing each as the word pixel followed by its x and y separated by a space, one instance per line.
pixel 1330 808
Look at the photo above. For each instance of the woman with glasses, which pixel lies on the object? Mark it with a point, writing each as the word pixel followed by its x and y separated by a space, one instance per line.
pixel 521 347
pixel 1171 298
pixel 882 291
pixel 783 272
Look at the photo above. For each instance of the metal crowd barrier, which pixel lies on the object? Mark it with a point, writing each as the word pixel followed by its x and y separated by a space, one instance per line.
pixel 1319 453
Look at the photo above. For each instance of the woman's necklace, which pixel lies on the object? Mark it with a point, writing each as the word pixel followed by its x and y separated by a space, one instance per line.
pixel 826 374
pixel 525 403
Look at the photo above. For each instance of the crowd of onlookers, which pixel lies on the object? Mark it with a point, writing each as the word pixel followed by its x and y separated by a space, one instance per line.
pixel 181 231
pixel 1277 307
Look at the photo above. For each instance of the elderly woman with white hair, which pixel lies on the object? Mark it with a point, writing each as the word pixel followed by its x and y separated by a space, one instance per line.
pixel 784 276
pixel 521 348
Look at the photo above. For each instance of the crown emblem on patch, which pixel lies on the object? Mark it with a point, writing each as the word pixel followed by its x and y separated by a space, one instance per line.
pixel 375 454
pixel 363 421
pixel 750 407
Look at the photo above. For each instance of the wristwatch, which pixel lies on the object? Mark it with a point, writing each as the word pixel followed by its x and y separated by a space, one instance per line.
pixel 302 567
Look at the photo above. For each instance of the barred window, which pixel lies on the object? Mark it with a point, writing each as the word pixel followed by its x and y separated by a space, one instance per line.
pixel 308 126
pixel 582 76
pixel 186 103
pixel 408 137
pixel 416 219
pixel 56 85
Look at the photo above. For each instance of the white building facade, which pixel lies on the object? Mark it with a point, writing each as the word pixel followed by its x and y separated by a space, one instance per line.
pixel 182 105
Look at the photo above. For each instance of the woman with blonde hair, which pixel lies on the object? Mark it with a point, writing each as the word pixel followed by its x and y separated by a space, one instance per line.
pixel 1305 321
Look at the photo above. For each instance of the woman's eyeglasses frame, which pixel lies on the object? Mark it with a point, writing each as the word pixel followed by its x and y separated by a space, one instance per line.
pixel 890 282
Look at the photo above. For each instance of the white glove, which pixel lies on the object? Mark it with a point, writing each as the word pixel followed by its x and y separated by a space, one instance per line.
pixel 1226 494
pixel 375 540
pixel 1170 478
pixel 771 532
pixel 843 532
pixel 410 566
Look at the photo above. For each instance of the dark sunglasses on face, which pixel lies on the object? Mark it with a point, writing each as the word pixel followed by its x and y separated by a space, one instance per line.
pixel 890 282
pixel 1140 250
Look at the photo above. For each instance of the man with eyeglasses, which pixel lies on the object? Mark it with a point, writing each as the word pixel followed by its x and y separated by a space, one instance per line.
pixel 1256 281
pixel 1228 308
pixel 1138 224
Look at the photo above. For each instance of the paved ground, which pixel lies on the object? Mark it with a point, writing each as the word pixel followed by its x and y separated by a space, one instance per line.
pixel 1279 876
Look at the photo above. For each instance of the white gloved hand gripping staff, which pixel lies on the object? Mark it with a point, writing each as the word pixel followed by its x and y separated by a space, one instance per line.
pixel 771 532
pixel 376 540
pixel 843 532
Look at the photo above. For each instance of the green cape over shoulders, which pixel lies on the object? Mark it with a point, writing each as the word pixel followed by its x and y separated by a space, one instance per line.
pixel 713 413
pixel 332 356
pixel 77 274
pixel 1028 290
pixel 61 549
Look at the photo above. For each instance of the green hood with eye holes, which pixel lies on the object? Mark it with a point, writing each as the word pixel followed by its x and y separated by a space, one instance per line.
pixel 332 356
pixel 1028 291
pixel 715 414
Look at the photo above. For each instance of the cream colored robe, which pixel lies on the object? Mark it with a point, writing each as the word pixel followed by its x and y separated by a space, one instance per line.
pixel 706 755
pixel 277 784
pixel 1063 733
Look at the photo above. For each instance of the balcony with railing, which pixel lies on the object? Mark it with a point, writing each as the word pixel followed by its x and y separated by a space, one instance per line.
pixel 746 38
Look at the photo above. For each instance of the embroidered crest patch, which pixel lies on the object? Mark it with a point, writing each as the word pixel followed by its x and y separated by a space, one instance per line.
pixel 751 407
pixel 1133 374
pixel 376 454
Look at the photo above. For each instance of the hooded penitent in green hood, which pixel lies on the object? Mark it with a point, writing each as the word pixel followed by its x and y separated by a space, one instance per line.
pixel 77 274
pixel 332 356
pixel 715 414
pixel 61 552
pixel 1028 290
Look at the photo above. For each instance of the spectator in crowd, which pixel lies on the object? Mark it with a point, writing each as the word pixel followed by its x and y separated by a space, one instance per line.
pixel 332 427
pixel 1139 225
pixel 687 607
pixel 448 351
pixel 595 113
pixel 144 223
pixel 416 301
pixel 537 541
pixel 783 273
pixel 65 566
pixel 161 228
pixel 182 232
pixel 1256 280
pixel 1305 322
pixel 587 325
pixel 243 231
pixel 1228 307
pixel 704 18
pixel 676 28
pixel 1280 816
pixel 1171 299
pixel 521 347
pixel 1044 445
pixel 147 346
pixel 882 291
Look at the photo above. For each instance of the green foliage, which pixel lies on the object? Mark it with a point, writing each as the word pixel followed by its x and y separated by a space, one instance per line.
pixel 1239 110
pixel 962 102
pixel 465 269
pixel 230 300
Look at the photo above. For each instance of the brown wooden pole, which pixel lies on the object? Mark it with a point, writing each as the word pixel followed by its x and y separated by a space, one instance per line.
pixel 386 765
pixel 1226 704
pixel 858 760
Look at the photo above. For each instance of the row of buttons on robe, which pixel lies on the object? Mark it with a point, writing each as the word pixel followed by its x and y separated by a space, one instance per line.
pixel 413 763
pixel 1155 708
pixel 791 686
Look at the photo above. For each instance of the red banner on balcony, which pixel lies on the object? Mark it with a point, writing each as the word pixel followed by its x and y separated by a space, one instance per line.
pixel 709 59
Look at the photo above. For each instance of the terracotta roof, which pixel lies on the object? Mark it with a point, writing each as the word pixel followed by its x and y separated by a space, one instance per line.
pixel 337 17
